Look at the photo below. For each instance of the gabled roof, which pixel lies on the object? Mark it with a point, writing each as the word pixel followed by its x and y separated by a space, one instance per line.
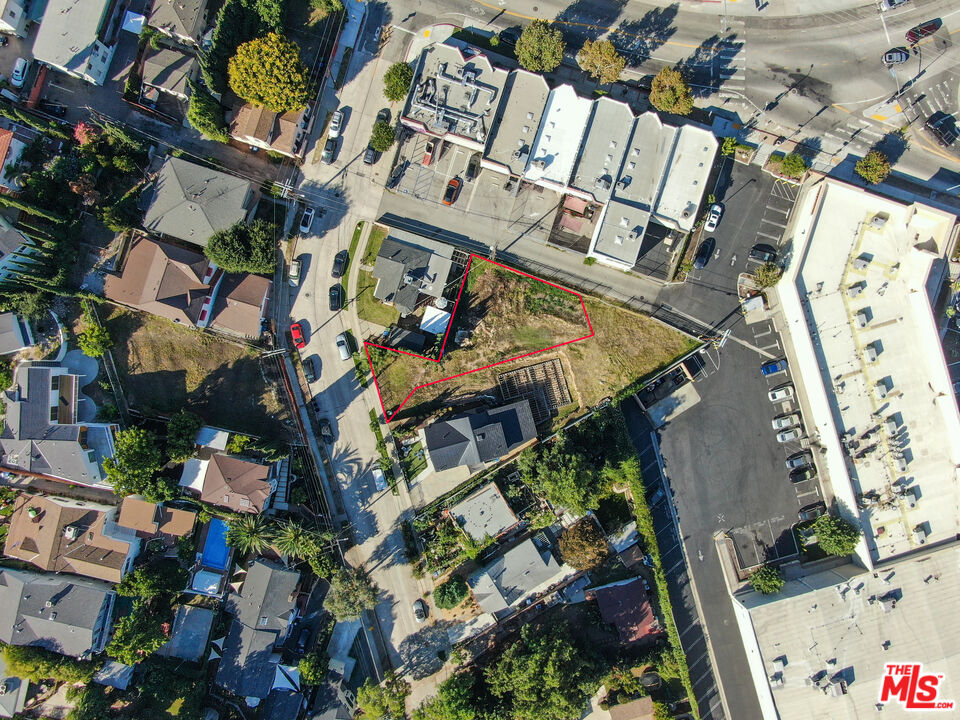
pixel 626 606
pixel 68 31
pixel 168 69
pixel 409 266
pixel 278 130
pixel 150 519
pixel 513 576
pixel 185 18
pixel 480 437
pixel 240 485
pixel 239 306
pixel 191 202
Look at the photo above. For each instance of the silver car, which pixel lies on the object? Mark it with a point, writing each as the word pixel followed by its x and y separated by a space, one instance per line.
pixel 420 610
pixel 794 433
pixel 786 421
pixel 799 460
pixel 336 124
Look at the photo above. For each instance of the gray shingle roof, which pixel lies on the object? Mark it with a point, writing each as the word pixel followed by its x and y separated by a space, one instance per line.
pixel 67 32
pixel 168 69
pixel 185 18
pixel 406 256
pixel 480 437
pixel 513 575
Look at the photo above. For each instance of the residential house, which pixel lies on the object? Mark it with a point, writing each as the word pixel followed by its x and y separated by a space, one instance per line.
pixel 70 616
pixel 192 626
pixel 14 138
pixel 13 17
pixel 14 699
pixel 154 521
pixel 79 37
pixel 278 132
pixel 409 268
pixel 485 513
pixel 230 482
pixel 15 334
pixel 70 536
pixel 191 202
pixel 183 20
pixel 479 437
pixel 626 606
pixel 169 71
pixel 185 287
pixel 43 434
pixel 261 611
pixel 527 569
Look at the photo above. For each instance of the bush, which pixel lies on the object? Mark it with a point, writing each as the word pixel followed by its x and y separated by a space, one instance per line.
pixel 36 664
pixel 767 275
pixel 792 166
pixel 313 667
pixel 382 137
pixel 582 545
pixel 835 535
pixel 450 594
pixel 540 47
pixel 767 580
pixel 182 435
pixel 268 72
pixel 396 82
pixel 670 93
pixel 244 248
pixel 205 114
pixel 95 341
pixel 874 168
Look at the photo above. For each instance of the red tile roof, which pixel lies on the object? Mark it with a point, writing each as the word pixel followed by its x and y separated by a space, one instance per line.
pixel 627 606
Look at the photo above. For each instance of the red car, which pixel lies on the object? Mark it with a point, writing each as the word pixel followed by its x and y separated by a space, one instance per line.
pixel 452 191
pixel 299 342
pixel 915 34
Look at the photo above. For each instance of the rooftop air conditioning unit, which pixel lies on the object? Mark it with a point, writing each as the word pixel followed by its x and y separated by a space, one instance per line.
pixel 71 532
pixel 855 289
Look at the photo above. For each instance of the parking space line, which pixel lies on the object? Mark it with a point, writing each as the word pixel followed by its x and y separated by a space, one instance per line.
pixel 700 638
pixel 689 628
pixel 775 238
pixel 771 222
pixel 675 566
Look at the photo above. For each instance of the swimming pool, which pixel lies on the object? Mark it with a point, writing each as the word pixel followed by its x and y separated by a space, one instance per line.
pixel 216 552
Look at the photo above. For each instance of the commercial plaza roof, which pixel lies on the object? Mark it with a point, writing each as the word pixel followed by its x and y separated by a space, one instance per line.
pixel 516 122
pixel 687 171
pixel 604 146
pixel 558 141
pixel 816 650
pixel 857 301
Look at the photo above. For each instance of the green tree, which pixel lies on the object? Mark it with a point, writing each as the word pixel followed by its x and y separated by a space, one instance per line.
pixel 670 93
pixel 327 6
pixel 543 676
pixel 582 545
pixel 540 47
pixel 244 248
pixel 135 465
pixel 767 580
pixel 313 667
pixel 451 593
pixel 182 436
pixel 767 275
pixel 383 136
pixel 295 540
pixel 91 703
pixel 835 535
pixel 237 22
pixel 396 81
pixel 249 533
pixel 205 114
pixel 793 166
pixel 456 699
pixel 601 60
pixel 137 634
pixel 322 563
pixel 37 664
pixel 661 711
pixel 95 340
pixel 268 72
pixel 149 581
pixel 873 168
pixel 351 592
pixel 30 304
pixel 563 477
pixel 386 700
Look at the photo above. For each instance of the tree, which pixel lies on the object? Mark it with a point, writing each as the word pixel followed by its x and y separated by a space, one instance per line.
pixel 149 581
pixel 670 93
pixel 601 59
pixel 91 703
pixel 396 81
pixel 37 664
pixel 137 634
pixel 542 676
pixel 182 436
pixel 327 6
pixel 456 699
pixel 134 466
pixel 386 700
pixel 767 580
pixel 874 168
pixel 249 533
pixel 313 667
pixel 244 248
pixel 95 340
pixel 564 478
pixel 793 166
pixel 451 593
pixel 661 711
pixel 268 72
pixel 295 540
pixel 205 114
pixel 351 592
pixel 382 137
pixel 540 47
pixel 31 304
pixel 767 275
pixel 835 535
pixel 582 545
pixel 322 563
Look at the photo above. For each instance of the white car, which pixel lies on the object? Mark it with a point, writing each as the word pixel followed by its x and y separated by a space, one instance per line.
pixel 784 392
pixel 306 220
pixel 891 4
pixel 336 123
pixel 19 75
pixel 295 273
pixel 785 421
pixel 713 219
pixel 788 435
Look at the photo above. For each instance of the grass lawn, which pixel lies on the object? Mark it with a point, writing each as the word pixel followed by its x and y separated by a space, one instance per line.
pixel 164 368
pixel 351 253
pixel 368 307
pixel 414 464
pixel 377 236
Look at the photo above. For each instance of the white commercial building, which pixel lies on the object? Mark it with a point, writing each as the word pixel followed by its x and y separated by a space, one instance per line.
pixel 557 146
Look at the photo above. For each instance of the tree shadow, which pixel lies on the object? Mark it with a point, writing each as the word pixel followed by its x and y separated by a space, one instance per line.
pixel 420 651
pixel 365 46
pixel 809 149
pixel 586 19
pixel 893 145
pixel 637 40
pixel 709 65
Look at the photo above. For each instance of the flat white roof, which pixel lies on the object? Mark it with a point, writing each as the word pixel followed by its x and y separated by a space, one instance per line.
pixel 687 171
pixel 857 301
pixel 193 473
pixel 557 146
pixel 839 624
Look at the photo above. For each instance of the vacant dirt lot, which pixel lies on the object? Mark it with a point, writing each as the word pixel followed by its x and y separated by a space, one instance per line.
pixel 164 368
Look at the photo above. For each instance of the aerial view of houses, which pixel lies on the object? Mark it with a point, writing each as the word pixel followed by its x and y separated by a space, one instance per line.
pixel 466 361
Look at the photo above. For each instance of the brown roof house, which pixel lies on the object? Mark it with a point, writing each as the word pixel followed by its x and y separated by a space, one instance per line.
pixel 70 536
pixel 152 521
pixel 231 482
pixel 185 287
pixel 625 605
pixel 281 132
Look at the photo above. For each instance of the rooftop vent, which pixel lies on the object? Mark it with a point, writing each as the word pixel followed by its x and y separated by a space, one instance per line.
pixel 71 532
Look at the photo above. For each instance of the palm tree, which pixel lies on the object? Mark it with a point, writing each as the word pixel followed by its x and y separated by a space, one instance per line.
pixel 295 540
pixel 250 533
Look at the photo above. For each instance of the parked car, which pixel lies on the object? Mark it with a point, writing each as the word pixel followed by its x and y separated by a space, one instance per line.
pixel 53 108
pixel 802 474
pixel 296 332
pixel 799 460
pixel 343 347
pixel 340 263
pixel 336 297
pixel 397 175
pixel 794 433
pixel 763 253
pixel 420 610
pixel 773 367
pixel 428 153
pixel 943 127
pixel 704 251
pixel 782 422
pixel 326 432
pixel 895 56
pixel 510 36
pixel 370 155
pixel 329 148
pixel 452 191
pixel 19 75
pixel 295 273
pixel 916 34
pixel 811 511
pixel 891 4
pixel 311 368
pixel 303 640
pixel 783 392
pixel 713 218
pixel 336 124
pixel 473 167
pixel 306 220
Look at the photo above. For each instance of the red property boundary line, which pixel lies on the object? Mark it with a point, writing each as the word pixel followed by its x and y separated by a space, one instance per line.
pixel 367 345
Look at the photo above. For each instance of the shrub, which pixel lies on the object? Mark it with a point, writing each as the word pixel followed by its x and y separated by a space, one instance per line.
pixel 767 580
pixel 396 82
pixel 451 593
pixel 873 168
pixel 767 275
pixel 835 535
pixel 793 166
